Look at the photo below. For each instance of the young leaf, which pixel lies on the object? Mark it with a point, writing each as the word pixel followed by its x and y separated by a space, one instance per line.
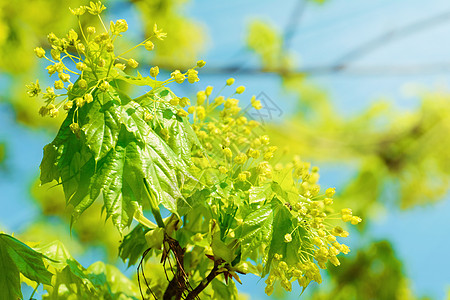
pixel 116 150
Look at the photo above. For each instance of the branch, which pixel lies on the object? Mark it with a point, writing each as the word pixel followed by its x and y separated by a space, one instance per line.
pixel 390 36
pixel 202 285
pixel 379 70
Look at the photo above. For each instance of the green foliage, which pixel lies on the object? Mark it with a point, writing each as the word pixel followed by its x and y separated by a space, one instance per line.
pixel 373 273
pixel 2 154
pixel 234 209
pixel 17 258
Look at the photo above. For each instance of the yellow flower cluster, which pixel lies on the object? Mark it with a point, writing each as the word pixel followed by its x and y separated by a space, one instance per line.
pixel 314 212
pixel 94 57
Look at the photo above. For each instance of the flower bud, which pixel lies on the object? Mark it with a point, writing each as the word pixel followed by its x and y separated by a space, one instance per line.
pixel 120 66
pixel 109 47
pixel 104 86
pixel 133 63
pixel 81 66
pixel 58 84
pixel 200 63
pixel 120 26
pixel 40 52
pixel 88 98
pixel 68 105
pixel 56 55
pixel 240 89
pixel 149 45
pixel 82 84
pixel 90 30
pixel 230 81
pixel 52 38
pixel 64 77
pixel 154 71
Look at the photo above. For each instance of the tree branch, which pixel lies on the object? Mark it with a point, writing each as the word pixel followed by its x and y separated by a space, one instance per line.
pixel 202 285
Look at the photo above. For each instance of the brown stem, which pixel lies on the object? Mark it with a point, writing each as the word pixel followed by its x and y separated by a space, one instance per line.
pixel 202 285
pixel 177 286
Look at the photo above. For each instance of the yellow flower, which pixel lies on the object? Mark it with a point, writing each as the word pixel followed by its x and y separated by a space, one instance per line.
pixel 201 97
pixel 230 81
pixel 75 128
pixel 288 238
pixel 159 32
pixel 79 101
pixel 286 284
pixel 257 105
pixel 82 84
pixel 95 8
pixel 192 76
pixel 90 30
pixel 227 152
pixel 148 45
pixel 33 89
pixel 40 52
pixel 133 63
pixel 120 26
pixel 88 98
pixel 219 100
pixel 241 158
pixel 185 102
pixel 58 84
pixel 182 113
pixel 355 220
pixel 208 90
pixel 174 101
pixel 54 113
pixel 330 192
pixel 81 66
pixel 200 63
pixel 269 290
pixel 78 11
pixel 240 89
pixel 346 211
pixel 120 66
pixel 201 113
pixel 242 176
pixel 223 170
pixel 68 105
pixel 179 78
pixel 49 93
pixel 104 86
pixel 154 71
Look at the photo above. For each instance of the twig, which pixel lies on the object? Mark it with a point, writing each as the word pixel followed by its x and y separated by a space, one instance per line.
pixel 204 283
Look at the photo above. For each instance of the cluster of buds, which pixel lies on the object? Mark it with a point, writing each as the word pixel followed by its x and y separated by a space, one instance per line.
pixel 92 52
pixel 314 212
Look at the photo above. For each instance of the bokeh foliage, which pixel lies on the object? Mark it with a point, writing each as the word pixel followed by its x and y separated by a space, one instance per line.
pixel 390 147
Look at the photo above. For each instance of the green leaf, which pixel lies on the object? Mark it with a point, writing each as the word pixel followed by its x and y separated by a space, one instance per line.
pixel 283 224
pixel 57 252
pixel 256 231
pixel 116 150
pixel 258 194
pixel 181 135
pixel 17 257
pixel 224 291
pixel 117 285
pixel 102 124
pixel 133 245
pixel 138 80
pixel 9 277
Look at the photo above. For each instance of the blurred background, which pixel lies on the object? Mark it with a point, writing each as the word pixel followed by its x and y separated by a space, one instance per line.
pixel 358 88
